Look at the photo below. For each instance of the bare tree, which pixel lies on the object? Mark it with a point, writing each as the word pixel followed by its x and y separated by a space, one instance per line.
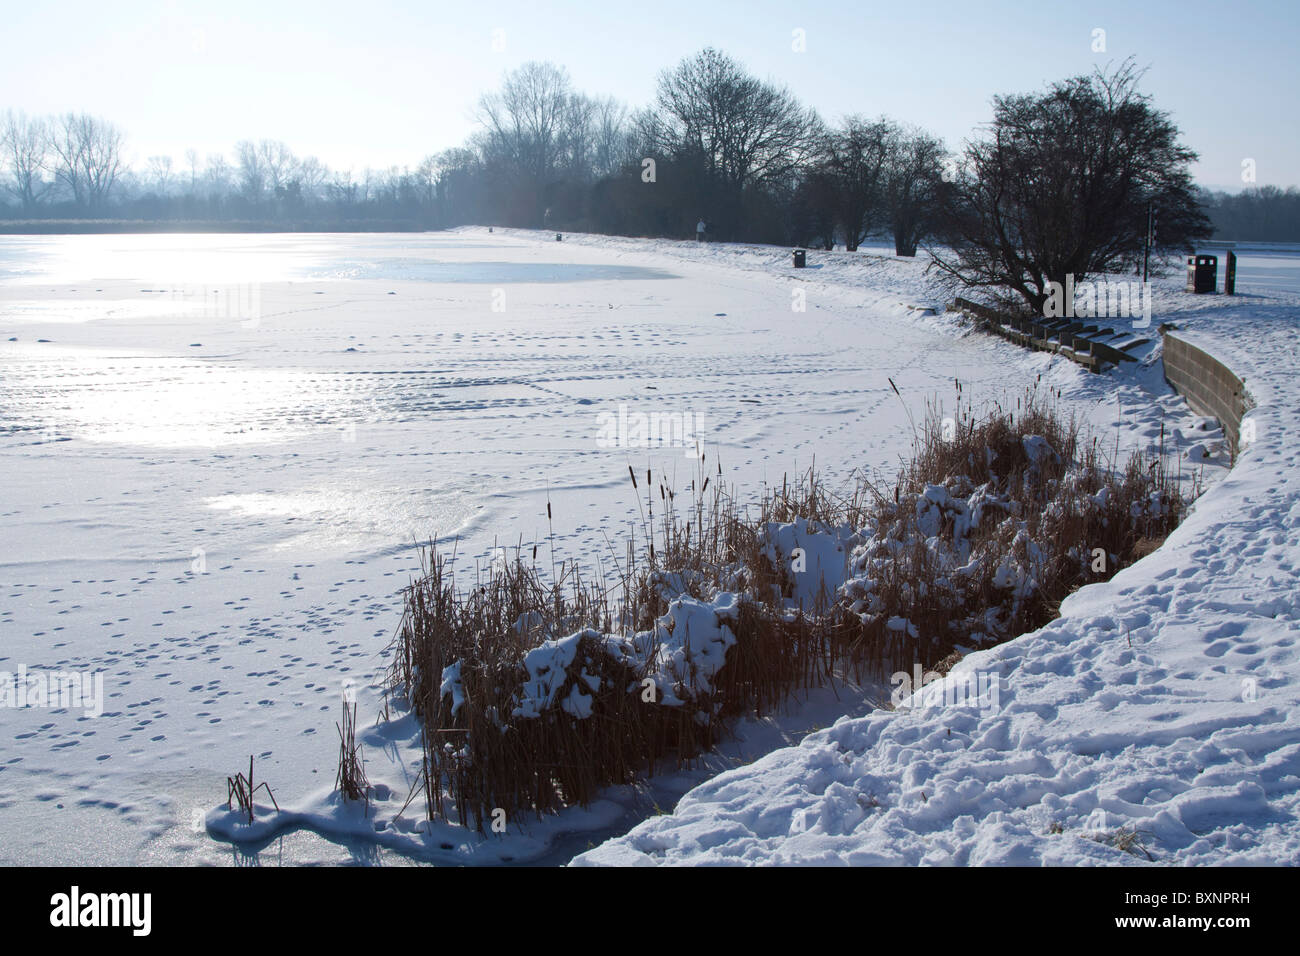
pixel 742 130
pixel 854 159
pixel 88 154
pixel 252 172
pixel 576 137
pixel 370 183
pixel 160 173
pixel 24 144
pixel 524 121
pixel 612 142
pixel 192 161
pixel 426 179
pixel 815 206
pixel 312 175
pixel 217 174
pixel 279 164
pixel 456 176
pixel 1061 185
pixel 342 188
pixel 911 188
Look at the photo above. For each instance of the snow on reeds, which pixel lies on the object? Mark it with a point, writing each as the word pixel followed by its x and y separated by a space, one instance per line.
pixel 537 686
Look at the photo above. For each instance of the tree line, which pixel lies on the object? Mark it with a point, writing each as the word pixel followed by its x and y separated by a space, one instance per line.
pixel 717 143
pixel 72 166
pixel 1257 214
pixel 1059 182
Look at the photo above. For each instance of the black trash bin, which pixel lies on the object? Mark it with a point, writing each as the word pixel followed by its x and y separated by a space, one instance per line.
pixel 1202 274
pixel 800 258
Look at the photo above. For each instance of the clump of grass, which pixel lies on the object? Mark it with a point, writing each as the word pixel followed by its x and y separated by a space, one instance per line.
pixel 461 660
pixel 240 790
pixel 474 747
pixel 351 779
pixel 1127 840
pixel 993 520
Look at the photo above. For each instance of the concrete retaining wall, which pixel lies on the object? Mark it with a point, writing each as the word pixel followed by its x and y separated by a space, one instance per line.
pixel 1208 385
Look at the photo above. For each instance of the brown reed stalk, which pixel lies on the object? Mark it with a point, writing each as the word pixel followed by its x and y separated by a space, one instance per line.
pixel 240 790
pixel 350 780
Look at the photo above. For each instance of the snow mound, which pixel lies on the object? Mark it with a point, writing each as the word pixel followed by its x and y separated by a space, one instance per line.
pixel 815 558
pixel 681 654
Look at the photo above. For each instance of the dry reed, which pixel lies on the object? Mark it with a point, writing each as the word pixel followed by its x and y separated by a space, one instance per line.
pixel 1048 502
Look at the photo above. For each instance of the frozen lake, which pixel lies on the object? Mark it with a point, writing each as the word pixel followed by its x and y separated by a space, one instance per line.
pixel 220 452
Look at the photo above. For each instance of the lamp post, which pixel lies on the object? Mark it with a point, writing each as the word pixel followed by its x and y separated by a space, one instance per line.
pixel 1150 240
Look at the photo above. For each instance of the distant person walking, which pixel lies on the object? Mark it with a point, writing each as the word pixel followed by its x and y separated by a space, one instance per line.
pixel 699 231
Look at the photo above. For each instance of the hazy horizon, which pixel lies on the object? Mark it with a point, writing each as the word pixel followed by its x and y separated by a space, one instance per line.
pixel 398 85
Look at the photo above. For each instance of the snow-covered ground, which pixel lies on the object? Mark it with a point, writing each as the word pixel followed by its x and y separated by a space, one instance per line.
pixel 1164 703
pixel 213 507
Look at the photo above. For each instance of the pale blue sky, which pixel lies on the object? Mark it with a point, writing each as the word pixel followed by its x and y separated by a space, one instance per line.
pixel 381 83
